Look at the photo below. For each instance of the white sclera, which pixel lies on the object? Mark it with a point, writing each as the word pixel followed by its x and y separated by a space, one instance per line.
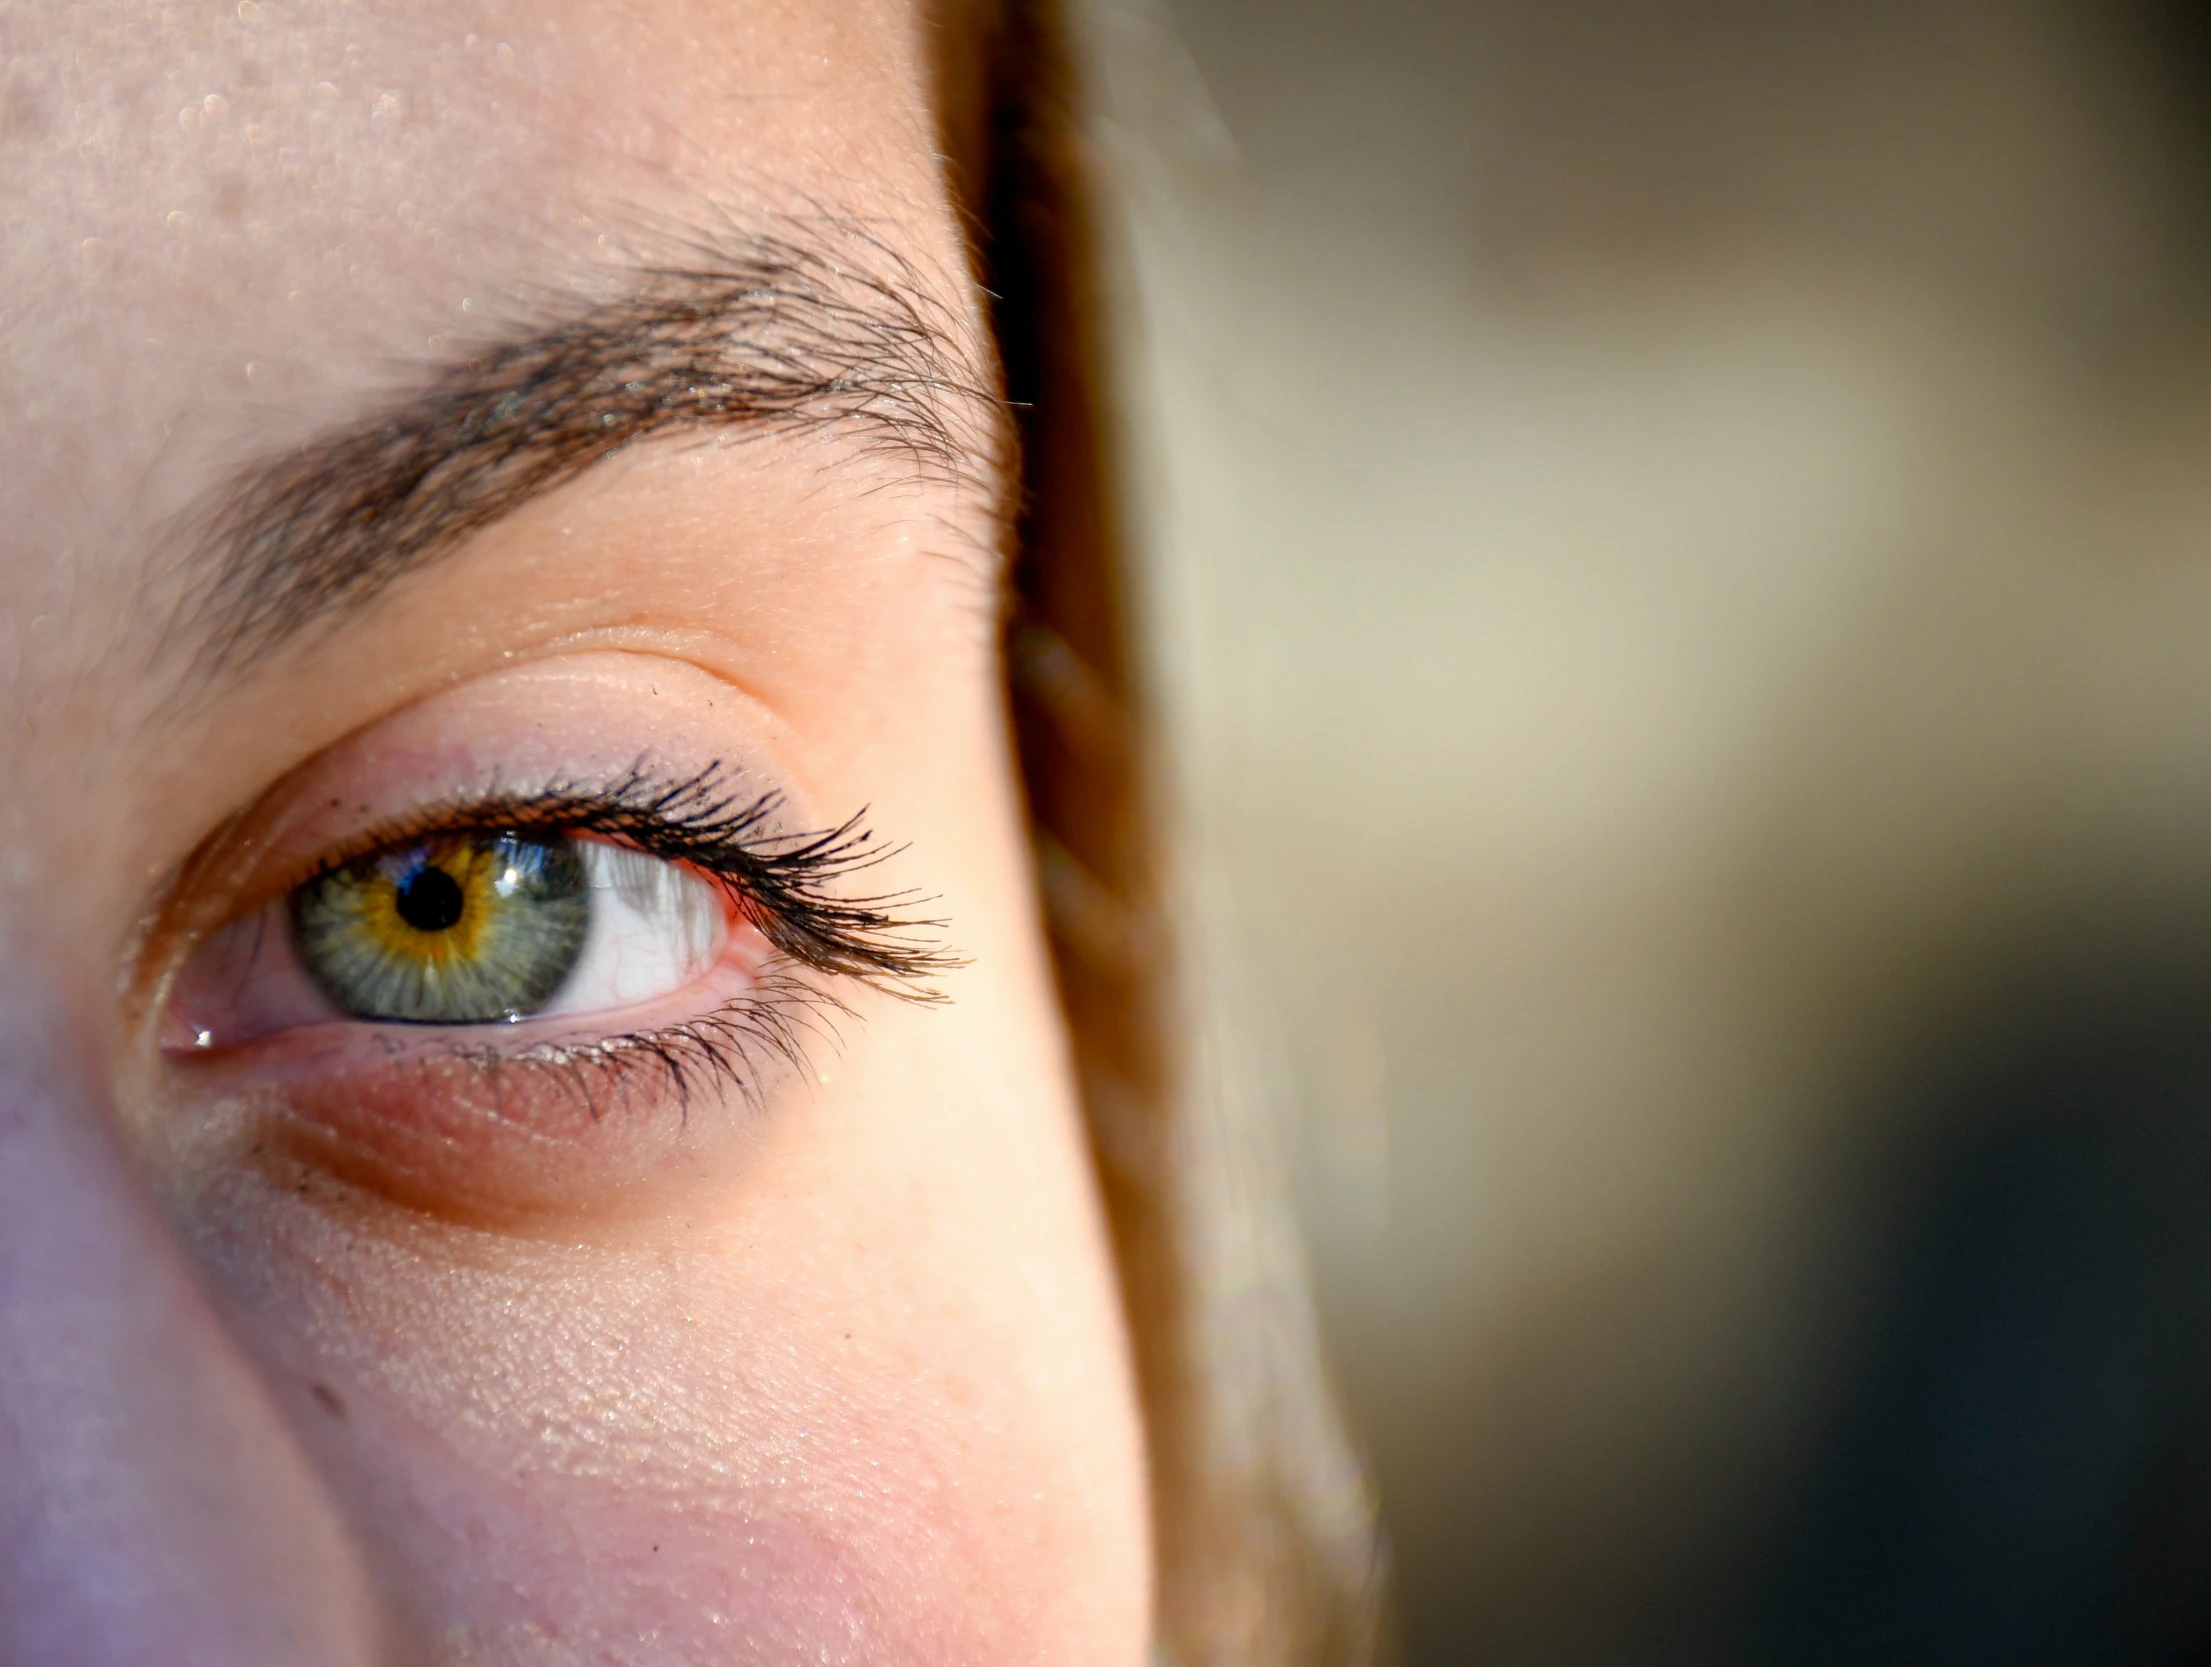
pixel 655 926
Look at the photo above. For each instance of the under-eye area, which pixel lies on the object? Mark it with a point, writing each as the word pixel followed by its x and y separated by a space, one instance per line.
pixel 516 980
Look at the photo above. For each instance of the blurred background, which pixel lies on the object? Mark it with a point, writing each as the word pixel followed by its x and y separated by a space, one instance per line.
pixel 1680 545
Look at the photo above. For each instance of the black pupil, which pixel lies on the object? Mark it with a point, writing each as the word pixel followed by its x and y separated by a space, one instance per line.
pixel 431 900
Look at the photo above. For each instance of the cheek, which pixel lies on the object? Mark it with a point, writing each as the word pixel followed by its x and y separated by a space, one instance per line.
pixel 498 1570
pixel 745 1443
pixel 500 1556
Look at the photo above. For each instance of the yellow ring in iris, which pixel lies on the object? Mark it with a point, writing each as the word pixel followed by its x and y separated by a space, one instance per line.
pixel 473 866
pixel 499 928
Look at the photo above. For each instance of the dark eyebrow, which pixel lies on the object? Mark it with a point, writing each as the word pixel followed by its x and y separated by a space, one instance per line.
pixel 775 333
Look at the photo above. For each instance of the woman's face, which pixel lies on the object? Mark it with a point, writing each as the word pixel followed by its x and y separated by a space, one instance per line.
pixel 498 726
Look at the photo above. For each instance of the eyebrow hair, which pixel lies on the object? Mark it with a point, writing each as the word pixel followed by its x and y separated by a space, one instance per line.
pixel 776 333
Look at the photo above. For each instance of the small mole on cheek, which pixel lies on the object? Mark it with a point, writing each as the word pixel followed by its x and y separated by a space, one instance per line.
pixel 327 1398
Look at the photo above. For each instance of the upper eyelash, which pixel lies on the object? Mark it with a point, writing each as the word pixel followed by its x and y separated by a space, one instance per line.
pixel 783 883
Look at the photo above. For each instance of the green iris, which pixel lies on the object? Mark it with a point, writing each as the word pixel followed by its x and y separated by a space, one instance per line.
pixel 453 928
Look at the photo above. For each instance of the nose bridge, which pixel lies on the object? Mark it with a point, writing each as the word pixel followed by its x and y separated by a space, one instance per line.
pixel 153 1505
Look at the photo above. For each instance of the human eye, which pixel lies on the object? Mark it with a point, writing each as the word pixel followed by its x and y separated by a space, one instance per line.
pixel 481 980
pixel 459 926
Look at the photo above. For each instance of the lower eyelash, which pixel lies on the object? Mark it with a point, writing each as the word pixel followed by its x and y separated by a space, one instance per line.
pixel 733 1046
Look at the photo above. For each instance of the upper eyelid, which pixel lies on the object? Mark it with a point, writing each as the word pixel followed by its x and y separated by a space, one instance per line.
pixel 560 803
pixel 467 815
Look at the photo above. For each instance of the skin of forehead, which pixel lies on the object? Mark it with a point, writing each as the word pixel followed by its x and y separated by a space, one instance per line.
pixel 226 225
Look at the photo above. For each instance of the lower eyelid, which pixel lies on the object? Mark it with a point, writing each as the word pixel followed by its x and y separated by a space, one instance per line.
pixel 485 1121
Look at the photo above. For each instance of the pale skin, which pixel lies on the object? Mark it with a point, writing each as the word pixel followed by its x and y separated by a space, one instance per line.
pixel 311 1352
